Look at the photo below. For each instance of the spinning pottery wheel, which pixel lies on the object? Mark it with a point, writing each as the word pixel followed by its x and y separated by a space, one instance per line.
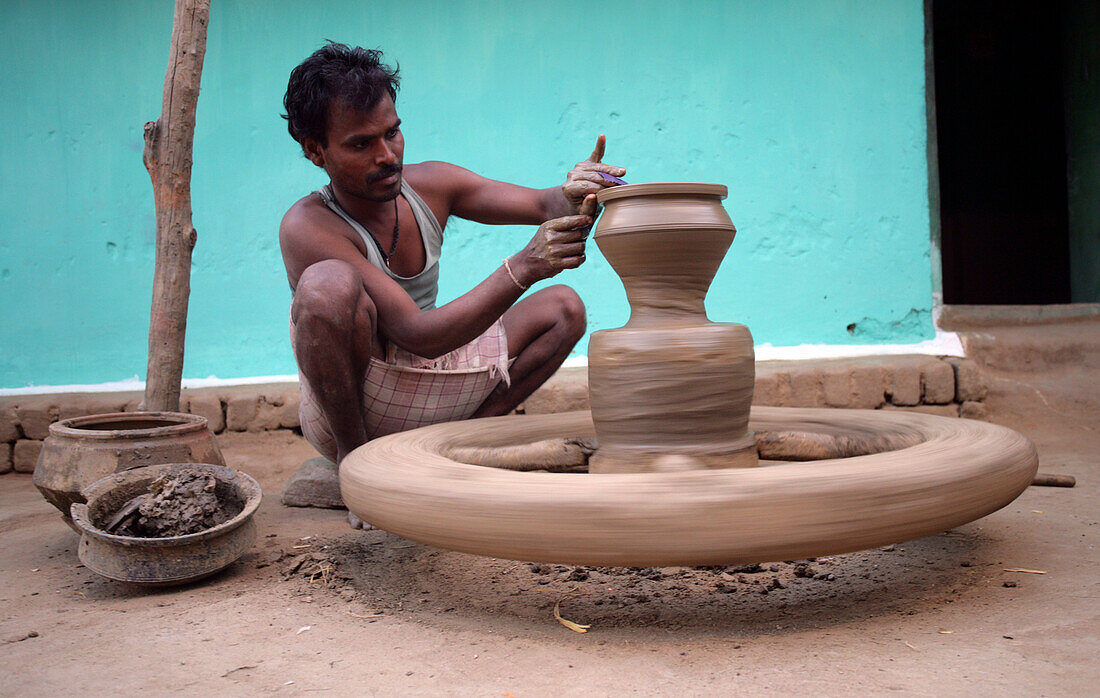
pixel 683 474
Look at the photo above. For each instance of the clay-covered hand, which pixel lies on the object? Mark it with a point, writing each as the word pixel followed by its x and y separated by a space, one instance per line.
pixel 558 244
pixel 585 177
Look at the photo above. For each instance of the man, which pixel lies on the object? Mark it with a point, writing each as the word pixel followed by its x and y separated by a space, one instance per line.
pixel 375 355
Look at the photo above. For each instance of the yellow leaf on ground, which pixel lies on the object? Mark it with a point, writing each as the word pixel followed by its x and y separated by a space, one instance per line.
pixel 575 627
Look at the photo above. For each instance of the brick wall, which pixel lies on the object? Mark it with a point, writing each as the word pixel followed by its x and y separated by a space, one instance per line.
pixel 948 386
pixel 25 420
pixel 945 386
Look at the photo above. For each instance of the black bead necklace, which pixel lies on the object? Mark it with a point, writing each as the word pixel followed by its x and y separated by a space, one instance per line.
pixel 396 236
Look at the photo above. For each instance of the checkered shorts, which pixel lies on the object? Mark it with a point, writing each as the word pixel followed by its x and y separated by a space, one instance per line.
pixel 408 391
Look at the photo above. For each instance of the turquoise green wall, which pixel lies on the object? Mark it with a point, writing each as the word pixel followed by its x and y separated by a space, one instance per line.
pixel 811 112
pixel 1081 23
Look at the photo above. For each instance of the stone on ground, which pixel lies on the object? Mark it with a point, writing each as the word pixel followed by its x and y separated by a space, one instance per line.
pixel 316 483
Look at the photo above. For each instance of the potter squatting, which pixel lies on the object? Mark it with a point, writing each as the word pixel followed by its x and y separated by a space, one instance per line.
pixel 362 259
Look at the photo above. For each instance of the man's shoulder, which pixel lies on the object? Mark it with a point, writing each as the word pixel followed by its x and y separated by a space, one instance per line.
pixel 430 175
pixel 437 183
pixel 307 212
pixel 309 222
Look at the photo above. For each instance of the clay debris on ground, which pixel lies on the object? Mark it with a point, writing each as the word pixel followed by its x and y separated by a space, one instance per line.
pixel 389 574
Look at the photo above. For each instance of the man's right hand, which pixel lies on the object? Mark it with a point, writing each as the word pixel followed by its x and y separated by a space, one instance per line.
pixel 558 244
pixel 587 177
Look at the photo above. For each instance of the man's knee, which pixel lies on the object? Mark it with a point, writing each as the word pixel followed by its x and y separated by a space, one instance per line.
pixel 571 311
pixel 331 291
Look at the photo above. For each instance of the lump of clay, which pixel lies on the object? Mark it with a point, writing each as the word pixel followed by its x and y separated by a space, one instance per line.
pixel 175 505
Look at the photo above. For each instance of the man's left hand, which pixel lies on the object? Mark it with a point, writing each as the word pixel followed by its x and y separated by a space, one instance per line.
pixel 585 178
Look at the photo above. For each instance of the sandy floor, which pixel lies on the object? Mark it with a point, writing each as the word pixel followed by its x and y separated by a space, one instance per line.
pixel 317 607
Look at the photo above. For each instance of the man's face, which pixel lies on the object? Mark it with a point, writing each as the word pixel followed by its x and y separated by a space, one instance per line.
pixel 364 154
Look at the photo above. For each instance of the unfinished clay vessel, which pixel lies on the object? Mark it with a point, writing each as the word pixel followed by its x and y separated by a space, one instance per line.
pixel 670 390
pixel 81 450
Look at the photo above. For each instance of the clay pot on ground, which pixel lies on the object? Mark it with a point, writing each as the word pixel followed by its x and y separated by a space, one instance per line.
pixel 170 560
pixel 670 390
pixel 82 450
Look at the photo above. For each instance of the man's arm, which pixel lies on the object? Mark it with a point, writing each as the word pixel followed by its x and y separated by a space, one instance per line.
pixel 484 200
pixel 310 233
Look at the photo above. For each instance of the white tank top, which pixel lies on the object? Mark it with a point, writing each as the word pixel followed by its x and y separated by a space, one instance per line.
pixel 423 287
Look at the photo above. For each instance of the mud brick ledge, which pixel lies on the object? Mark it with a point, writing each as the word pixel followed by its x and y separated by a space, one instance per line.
pixel 25 420
pixel 947 386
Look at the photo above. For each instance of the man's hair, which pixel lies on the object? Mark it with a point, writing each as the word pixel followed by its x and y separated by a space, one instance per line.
pixel 355 76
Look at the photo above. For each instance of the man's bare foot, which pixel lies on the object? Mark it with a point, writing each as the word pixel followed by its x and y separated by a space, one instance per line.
pixel 358 523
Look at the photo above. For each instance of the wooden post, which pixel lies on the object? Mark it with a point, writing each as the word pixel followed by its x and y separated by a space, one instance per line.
pixel 167 156
pixel 1052 480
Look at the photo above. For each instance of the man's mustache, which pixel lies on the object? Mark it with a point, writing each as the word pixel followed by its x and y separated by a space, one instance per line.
pixel 382 174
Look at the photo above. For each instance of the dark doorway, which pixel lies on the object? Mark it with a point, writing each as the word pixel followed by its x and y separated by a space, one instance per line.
pixel 1004 236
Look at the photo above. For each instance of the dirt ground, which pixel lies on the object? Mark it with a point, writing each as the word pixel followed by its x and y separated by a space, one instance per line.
pixel 318 607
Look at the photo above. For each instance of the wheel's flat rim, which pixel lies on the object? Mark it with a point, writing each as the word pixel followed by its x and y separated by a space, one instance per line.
pixel 959 470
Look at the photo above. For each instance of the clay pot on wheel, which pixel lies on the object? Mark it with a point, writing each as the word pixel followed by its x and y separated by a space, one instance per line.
pixel 81 450
pixel 670 390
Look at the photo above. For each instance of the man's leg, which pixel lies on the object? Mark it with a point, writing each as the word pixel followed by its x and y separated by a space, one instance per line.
pixel 334 338
pixel 542 329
